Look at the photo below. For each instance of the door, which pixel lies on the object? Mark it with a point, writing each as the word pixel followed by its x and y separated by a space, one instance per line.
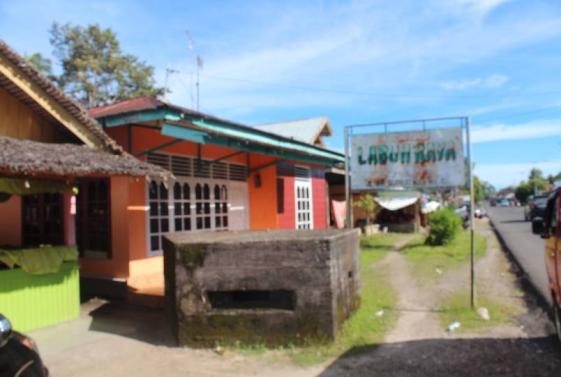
pixel 237 205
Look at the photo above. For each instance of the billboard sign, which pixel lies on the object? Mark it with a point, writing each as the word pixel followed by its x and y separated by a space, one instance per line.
pixel 431 158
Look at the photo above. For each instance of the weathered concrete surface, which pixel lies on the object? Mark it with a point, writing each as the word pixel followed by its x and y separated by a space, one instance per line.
pixel 319 270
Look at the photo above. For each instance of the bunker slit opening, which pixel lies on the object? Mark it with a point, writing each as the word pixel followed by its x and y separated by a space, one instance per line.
pixel 252 299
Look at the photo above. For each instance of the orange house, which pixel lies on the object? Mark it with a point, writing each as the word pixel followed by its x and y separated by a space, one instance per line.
pixel 227 177
pixel 56 167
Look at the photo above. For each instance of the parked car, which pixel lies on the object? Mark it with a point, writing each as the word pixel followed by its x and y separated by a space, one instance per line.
pixel 535 208
pixel 19 355
pixel 550 230
pixel 504 203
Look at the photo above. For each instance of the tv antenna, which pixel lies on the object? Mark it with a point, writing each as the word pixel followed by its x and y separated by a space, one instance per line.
pixel 199 65
pixel 169 71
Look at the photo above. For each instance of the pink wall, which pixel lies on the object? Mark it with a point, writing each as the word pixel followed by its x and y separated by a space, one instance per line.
pixel 319 197
pixel 69 218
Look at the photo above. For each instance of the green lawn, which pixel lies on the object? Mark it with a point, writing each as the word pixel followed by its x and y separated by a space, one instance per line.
pixel 364 327
pixel 434 261
pixel 457 308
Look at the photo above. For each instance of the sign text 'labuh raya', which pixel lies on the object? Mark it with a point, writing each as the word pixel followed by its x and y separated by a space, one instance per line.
pixel 431 158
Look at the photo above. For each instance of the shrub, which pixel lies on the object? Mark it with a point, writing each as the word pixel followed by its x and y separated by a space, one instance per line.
pixel 444 226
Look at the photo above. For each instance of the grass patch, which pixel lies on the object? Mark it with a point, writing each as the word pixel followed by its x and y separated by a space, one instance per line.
pixel 379 241
pixel 457 308
pixel 364 327
pixel 428 261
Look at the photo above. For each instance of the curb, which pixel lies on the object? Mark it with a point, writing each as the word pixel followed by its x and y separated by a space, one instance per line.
pixel 526 284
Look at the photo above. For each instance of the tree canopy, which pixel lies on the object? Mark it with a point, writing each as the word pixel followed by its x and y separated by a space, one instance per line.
pixel 535 184
pixel 482 189
pixel 43 64
pixel 94 69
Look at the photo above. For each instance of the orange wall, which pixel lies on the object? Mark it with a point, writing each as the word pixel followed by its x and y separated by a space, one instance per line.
pixel 118 264
pixel 137 210
pixel 263 200
pixel 10 221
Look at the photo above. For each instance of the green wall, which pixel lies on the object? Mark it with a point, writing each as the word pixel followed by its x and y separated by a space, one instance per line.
pixel 34 301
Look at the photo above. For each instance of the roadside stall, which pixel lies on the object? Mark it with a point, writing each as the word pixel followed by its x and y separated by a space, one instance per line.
pixel 400 211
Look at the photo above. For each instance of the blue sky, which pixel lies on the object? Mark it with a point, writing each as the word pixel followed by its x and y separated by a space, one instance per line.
pixel 497 61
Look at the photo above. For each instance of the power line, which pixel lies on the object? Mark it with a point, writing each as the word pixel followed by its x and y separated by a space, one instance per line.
pixel 369 94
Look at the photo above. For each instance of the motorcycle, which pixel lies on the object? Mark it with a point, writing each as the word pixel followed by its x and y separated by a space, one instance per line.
pixel 19 355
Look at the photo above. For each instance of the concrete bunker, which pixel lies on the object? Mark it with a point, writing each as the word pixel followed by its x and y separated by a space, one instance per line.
pixel 273 287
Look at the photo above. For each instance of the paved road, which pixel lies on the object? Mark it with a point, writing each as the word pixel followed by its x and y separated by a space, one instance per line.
pixel 528 249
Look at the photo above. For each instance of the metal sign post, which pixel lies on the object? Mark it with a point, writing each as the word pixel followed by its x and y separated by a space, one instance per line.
pixel 406 156
pixel 471 217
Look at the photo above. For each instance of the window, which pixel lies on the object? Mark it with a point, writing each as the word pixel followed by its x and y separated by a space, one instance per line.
pixel 303 191
pixel 220 207
pixel 202 206
pixel 42 220
pixel 93 220
pixel 182 206
pixel 206 195
pixel 158 215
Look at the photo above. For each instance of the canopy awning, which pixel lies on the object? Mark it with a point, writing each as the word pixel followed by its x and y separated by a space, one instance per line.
pixel 396 200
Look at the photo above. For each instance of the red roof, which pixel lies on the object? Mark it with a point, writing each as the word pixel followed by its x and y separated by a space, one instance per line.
pixel 126 106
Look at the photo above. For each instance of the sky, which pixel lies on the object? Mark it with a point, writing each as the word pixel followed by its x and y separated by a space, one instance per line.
pixel 496 61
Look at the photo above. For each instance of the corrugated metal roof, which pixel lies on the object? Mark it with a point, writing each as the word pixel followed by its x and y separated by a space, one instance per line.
pixel 306 130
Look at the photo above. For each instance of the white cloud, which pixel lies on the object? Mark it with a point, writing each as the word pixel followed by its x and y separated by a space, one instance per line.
pixel 360 49
pixel 490 82
pixel 481 6
pixel 530 130
pixel 503 175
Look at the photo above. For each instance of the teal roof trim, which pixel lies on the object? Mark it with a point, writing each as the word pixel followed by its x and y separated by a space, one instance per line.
pixel 264 138
pixel 224 133
pixel 140 117
pixel 184 133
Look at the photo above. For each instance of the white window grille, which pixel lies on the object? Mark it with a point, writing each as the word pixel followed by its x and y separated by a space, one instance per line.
pixel 158 215
pixel 303 193
pixel 182 206
pixel 220 207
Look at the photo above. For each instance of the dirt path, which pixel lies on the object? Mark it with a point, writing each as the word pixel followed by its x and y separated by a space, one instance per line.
pixel 417 318
pixel 420 346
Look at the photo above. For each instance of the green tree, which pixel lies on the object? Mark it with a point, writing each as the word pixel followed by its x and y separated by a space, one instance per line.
pixel 94 69
pixel 43 64
pixel 535 174
pixel 478 189
pixel 368 205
